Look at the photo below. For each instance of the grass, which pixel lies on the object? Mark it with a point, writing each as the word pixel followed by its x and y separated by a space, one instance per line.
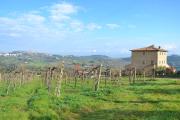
pixel 153 100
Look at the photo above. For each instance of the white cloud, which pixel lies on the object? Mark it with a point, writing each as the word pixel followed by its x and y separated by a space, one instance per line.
pixel 77 26
pixel 113 26
pixel 93 26
pixel 14 35
pixel 94 51
pixel 169 46
pixel 55 23
pixel 50 22
pixel 32 18
pixel 62 11
pixel 6 24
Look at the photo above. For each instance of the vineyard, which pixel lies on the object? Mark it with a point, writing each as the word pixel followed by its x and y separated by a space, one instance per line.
pixel 90 60
pixel 97 92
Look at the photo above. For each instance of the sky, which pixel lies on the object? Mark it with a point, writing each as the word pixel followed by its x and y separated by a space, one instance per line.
pixel 89 27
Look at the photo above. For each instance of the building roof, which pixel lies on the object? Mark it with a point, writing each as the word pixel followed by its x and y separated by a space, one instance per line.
pixel 149 48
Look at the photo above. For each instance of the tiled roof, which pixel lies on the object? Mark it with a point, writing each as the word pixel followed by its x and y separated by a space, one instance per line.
pixel 149 48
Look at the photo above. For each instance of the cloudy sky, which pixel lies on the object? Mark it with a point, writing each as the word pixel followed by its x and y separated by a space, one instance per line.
pixel 85 27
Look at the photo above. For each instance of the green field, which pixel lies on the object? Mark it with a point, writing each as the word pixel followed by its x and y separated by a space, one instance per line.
pixel 151 100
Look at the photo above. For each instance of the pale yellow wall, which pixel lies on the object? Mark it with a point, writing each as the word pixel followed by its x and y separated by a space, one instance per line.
pixel 138 58
pixel 162 59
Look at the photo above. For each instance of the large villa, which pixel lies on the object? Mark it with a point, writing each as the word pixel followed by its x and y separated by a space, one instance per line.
pixel 148 58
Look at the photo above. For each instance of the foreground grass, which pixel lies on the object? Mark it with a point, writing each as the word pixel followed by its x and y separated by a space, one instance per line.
pixel 152 100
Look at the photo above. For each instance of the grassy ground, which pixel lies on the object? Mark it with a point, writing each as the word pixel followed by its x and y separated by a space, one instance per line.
pixel 153 100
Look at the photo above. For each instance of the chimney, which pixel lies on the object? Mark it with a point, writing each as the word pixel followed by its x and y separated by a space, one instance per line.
pixel 159 47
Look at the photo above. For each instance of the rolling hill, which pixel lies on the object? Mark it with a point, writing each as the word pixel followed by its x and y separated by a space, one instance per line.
pixel 37 60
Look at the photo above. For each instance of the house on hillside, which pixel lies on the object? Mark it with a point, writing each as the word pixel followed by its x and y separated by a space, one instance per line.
pixel 148 58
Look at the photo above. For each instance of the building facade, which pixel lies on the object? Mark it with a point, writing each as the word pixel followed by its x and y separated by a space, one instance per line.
pixel 148 58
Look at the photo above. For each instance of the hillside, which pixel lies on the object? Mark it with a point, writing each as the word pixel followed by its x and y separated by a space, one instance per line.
pixel 174 60
pixel 37 60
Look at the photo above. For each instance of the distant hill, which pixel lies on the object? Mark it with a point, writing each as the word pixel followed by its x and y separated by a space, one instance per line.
pixel 128 59
pixel 174 60
pixel 38 60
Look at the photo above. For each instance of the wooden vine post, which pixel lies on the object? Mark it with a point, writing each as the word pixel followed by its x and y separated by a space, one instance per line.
pixel 49 78
pixel 22 74
pixel 106 75
pixel 0 77
pixel 76 74
pixel 97 80
pixel 14 81
pixel 134 75
pixel 144 76
pixel 154 72
pixel 58 85
pixel 110 74
pixel 8 84
pixel 120 73
pixel 130 76
pixel 66 78
pixel 120 76
pixel 46 77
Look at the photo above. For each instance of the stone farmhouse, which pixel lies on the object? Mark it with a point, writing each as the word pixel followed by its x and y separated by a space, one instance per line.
pixel 148 58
